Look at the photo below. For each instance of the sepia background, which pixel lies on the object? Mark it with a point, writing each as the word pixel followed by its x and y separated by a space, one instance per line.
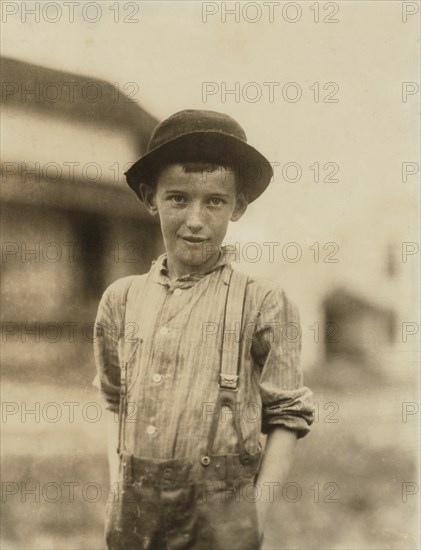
pixel 329 92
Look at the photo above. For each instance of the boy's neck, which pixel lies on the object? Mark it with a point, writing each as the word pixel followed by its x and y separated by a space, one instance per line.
pixel 176 270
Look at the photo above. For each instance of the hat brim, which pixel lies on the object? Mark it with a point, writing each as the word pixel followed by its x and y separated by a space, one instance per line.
pixel 253 169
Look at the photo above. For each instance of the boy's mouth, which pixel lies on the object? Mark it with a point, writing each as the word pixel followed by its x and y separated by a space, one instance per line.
pixel 195 240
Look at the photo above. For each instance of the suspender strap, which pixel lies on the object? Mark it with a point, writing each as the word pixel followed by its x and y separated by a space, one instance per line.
pixel 229 368
pixel 228 375
pixel 123 373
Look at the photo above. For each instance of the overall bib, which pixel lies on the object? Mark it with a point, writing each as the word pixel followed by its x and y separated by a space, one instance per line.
pixel 176 504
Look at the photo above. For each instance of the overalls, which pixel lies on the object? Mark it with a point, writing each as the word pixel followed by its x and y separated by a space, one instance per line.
pixel 163 505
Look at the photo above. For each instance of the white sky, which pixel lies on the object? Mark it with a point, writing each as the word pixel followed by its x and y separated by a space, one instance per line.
pixel 170 52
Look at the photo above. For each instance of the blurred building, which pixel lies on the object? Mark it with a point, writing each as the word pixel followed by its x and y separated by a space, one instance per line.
pixel 357 288
pixel 70 225
pixel 374 302
pixel 354 327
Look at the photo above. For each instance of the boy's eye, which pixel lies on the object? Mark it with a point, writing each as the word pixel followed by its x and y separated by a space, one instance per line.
pixel 179 199
pixel 216 201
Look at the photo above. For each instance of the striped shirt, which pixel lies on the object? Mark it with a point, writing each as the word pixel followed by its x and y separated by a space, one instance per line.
pixel 170 339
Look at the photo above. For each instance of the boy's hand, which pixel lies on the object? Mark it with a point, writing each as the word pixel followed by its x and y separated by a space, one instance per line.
pixel 112 442
pixel 260 525
pixel 262 512
pixel 277 459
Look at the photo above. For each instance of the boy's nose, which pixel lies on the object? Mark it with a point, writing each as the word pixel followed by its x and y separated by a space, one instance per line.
pixel 194 219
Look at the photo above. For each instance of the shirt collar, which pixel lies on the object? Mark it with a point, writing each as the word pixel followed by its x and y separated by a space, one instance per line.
pixel 159 270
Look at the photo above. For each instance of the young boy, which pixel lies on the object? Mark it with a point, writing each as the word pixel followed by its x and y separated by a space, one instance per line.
pixel 197 358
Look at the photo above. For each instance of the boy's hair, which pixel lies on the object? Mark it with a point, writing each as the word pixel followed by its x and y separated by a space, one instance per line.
pixel 195 165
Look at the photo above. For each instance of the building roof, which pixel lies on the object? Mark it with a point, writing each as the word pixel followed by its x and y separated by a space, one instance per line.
pixel 99 108
pixel 71 96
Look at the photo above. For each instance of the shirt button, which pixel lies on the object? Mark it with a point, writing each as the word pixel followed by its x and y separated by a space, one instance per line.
pixel 167 473
pixel 151 430
pixel 178 292
pixel 164 330
pixel 157 378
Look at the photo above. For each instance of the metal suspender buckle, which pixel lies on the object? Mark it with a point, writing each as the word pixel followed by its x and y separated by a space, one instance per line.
pixel 228 381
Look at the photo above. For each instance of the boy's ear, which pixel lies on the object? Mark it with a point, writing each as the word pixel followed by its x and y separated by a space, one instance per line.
pixel 149 198
pixel 241 204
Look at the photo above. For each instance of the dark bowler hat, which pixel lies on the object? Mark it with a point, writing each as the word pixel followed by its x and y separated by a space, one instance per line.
pixel 194 135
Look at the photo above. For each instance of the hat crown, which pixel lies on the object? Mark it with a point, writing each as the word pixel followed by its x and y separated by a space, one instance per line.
pixel 194 121
pixel 207 136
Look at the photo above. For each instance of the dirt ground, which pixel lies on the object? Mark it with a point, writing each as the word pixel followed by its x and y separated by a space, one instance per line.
pixel 354 484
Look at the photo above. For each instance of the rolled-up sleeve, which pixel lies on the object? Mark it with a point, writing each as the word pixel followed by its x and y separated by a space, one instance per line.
pixel 107 363
pixel 276 348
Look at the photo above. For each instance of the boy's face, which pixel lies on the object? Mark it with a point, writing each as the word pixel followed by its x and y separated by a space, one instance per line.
pixel 194 210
